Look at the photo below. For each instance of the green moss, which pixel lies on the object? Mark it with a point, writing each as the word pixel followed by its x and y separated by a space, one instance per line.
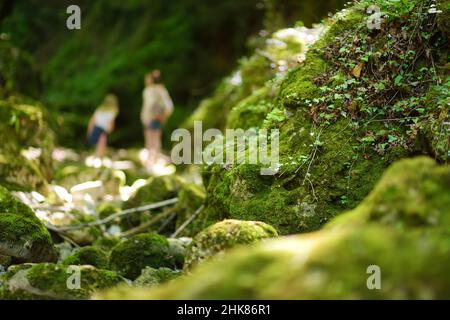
pixel 144 250
pixel 336 140
pixel 22 235
pixel 151 277
pixel 10 204
pixel 26 239
pixel 251 112
pixel 50 281
pixel 401 228
pixel 412 193
pixel 88 256
pixel 222 236
pixel 23 127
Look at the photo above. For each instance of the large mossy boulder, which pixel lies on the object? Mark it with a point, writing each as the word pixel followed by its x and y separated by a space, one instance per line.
pixel 145 250
pixel 401 231
pixel 23 236
pixel 344 114
pixel 27 146
pixel 222 236
pixel 413 193
pixel 49 281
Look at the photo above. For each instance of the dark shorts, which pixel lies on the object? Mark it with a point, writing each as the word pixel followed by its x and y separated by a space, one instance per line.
pixel 95 136
pixel 155 125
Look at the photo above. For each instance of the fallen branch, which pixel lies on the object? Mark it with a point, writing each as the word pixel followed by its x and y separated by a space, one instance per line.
pixel 115 216
pixel 187 222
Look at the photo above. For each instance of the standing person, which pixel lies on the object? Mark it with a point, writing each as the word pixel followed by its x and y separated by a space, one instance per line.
pixel 157 107
pixel 102 123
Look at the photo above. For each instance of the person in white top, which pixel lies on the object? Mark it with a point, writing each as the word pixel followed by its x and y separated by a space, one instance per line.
pixel 157 107
pixel 102 123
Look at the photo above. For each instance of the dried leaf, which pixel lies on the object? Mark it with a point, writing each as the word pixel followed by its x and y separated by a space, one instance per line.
pixel 356 72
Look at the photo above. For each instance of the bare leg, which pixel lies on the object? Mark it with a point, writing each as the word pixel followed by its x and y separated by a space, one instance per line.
pixel 101 146
pixel 153 145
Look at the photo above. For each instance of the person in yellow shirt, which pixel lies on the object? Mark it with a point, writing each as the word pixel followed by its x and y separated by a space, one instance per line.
pixel 157 107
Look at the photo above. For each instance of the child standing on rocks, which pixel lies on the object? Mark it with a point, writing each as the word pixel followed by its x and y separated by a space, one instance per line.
pixel 102 123
pixel 157 107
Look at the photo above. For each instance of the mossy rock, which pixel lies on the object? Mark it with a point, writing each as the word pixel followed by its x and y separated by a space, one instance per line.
pixel 332 151
pixel 50 281
pixel 413 193
pixel 321 265
pixel 151 277
pixel 10 204
pixel 400 230
pixel 145 250
pixel 222 236
pixel 26 151
pixel 22 235
pixel 89 255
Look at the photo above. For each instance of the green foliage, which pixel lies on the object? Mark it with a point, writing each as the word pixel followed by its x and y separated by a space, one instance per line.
pixel 120 42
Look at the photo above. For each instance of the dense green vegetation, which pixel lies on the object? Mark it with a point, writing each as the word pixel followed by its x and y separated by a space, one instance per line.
pixel 362 182
pixel 194 43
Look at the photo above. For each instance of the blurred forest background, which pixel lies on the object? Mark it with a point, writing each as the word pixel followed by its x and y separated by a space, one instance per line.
pixel 195 43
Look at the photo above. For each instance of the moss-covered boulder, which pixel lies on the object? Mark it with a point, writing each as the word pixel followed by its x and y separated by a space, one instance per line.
pixel 145 250
pixel 51 281
pixel 222 236
pixel 27 145
pixel 388 236
pixel 22 235
pixel 89 255
pixel 151 277
pixel 413 193
pixel 343 117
